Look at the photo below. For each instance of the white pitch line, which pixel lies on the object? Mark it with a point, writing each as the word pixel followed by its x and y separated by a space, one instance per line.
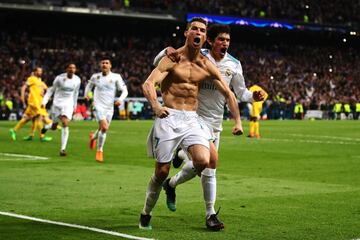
pixel 24 156
pixel 309 141
pixel 75 226
pixel 17 159
pixel 324 136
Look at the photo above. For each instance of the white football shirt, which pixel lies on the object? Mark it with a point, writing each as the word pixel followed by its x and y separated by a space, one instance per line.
pixel 65 90
pixel 105 90
pixel 211 101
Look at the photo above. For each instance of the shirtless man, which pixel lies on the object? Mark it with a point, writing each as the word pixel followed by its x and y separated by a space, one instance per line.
pixel 177 122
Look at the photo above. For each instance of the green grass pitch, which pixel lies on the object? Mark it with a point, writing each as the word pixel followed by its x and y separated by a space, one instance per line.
pixel 301 180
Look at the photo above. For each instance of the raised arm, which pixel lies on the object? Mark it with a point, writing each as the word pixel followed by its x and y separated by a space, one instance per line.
pixel 154 79
pixel 229 96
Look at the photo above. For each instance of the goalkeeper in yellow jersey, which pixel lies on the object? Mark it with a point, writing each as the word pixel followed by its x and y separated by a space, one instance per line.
pixel 255 110
pixel 33 110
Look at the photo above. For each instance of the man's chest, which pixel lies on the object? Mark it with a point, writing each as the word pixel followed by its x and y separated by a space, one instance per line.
pixel 191 72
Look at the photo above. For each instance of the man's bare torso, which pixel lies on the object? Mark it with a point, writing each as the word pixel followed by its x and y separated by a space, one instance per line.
pixel 181 87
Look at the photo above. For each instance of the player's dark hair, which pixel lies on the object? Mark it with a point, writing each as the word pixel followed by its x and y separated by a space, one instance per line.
pixel 36 68
pixel 196 19
pixel 70 63
pixel 105 57
pixel 214 30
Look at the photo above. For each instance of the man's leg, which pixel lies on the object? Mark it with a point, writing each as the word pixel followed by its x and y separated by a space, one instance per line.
pixel 208 181
pixel 64 134
pixel 257 129
pixel 48 123
pixel 32 131
pixel 104 126
pixel 187 173
pixel 93 136
pixel 179 157
pixel 18 126
pixel 153 192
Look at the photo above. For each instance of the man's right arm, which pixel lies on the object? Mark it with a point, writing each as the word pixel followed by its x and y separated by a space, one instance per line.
pixel 22 93
pixel 49 92
pixel 229 96
pixel 89 86
pixel 155 78
pixel 159 57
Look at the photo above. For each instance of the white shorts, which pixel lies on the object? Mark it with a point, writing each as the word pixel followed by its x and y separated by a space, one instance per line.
pixel 216 140
pixel 183 128
pixel 58 111
pixel 101 114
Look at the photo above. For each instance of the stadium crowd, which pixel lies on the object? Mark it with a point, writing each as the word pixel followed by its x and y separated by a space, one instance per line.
pixel 319 12
pixel 316 78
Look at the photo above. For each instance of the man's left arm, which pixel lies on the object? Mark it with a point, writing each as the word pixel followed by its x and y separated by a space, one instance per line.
pixel 229 96
pixel 238 84
pixel 121 86
pixel 244 94
pixel 76 94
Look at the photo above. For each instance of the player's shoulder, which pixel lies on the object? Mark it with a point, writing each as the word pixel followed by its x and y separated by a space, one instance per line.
pixel 77 78
pixel 96 75
pixel 116 75
pixel 61 76
pixel 31 79
pixel 166 64
pixel 232 59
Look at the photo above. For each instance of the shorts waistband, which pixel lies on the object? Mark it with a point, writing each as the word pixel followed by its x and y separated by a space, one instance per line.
pixel 182 112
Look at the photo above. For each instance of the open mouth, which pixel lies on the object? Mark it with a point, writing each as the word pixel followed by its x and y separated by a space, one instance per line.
pixel 223 50
pixel 197 40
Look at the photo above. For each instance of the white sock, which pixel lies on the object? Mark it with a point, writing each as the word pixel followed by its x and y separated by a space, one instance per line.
pixel 182 155
pixel 101 140
pixel 186 173
pixel 96 134
pixel 208 180
pixel 64 137
pixel 152 195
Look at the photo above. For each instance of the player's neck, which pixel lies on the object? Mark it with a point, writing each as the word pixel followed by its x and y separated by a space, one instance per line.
pixel 191 53
pixel 105 73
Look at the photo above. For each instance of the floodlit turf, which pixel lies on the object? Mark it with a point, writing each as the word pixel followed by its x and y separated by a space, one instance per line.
pixel 301 180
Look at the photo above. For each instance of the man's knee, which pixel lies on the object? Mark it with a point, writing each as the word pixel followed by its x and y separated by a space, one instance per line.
pixel 65 121
pixel 104 127
pixel 213 156
pixel 200 156
pixel 162 172
pixel 253 119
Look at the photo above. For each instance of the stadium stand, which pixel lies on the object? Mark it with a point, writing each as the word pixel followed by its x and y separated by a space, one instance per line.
pixel 320 12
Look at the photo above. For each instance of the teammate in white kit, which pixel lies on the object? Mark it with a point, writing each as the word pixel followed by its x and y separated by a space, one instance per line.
pixel 106 85
pixel 65 89
pixel 177 122
pixel 211 105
